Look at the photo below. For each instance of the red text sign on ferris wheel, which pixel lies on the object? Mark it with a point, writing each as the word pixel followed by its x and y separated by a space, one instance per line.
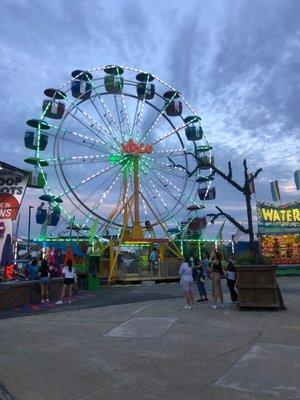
pixel 132 147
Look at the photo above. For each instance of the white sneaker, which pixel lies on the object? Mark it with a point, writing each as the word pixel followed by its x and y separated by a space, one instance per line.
pixel 69 301
pixel 193 306
pixel 43 301
pixel 187 307
pixel 221 306
pixel 214 307
pixel 47 300
pixel 59 302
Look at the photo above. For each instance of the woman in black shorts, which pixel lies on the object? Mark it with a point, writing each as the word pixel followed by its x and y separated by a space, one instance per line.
pixel 69 274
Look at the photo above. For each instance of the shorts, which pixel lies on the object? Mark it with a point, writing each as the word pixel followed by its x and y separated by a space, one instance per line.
pixel 69 281
pixel 44 280
pixel 187 286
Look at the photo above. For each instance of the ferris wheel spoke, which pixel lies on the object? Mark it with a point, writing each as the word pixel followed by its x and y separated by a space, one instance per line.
pixel 102 130
pixel 110 131
pixel 160 177
pixel 144 208
pixel 121 117
pixel 95 133
pixel 148 189
pixel 106 192
pixel 169 169
pixel 117 212
pixel 166 170
pixel 75 209
pixel 152 195
pixel 81 160
pixel 177 152
pixel 125 111
pixel 78 141
pixel 104 195
pixel 88 179
pixel 108 115
pixel 167 135
pixel 163 187
pixel 160 114
pixel 84 138
pixel 107 112
pixel 136 124
pixel 96 157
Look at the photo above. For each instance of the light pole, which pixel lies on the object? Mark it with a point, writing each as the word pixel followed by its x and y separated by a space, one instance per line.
pixel 29 225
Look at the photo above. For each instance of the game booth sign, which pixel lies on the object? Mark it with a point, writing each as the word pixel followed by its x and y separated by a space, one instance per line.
pixel 13 183
pixel 279 232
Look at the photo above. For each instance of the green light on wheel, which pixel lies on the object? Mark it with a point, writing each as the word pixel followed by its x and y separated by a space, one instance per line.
pixel 115 158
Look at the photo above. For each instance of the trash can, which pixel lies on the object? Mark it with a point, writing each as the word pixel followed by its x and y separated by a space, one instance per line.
pixel 93 277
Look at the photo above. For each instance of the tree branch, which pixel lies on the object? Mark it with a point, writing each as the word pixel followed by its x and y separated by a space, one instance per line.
pixel 221 213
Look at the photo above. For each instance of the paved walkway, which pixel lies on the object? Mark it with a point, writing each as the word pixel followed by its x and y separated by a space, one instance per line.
pixel 153 349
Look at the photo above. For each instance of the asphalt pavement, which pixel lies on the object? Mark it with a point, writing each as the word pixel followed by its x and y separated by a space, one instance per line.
pixel 139 343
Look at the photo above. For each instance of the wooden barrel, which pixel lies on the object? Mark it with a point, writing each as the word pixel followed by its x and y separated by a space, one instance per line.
pixel 257 286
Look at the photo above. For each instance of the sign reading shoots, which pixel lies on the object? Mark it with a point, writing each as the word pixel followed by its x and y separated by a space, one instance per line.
pixel 286 215
pixel 12 188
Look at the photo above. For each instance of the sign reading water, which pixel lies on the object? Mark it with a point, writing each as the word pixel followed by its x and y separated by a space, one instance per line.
pixel 283 215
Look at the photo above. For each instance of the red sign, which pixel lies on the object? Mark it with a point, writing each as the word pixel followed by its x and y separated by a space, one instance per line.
pixel 9 206
pixel 132 147
pixel 12 189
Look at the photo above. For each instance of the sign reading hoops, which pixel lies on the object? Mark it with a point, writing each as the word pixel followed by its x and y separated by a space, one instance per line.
pixel 12 188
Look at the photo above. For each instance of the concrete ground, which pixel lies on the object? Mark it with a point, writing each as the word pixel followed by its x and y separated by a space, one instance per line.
pixel 151 348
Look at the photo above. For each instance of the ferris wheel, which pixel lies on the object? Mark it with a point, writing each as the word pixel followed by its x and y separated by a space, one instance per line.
pixel 109 133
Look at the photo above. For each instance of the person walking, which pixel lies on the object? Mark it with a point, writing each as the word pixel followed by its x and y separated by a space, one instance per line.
pixel 44 273
pixel 69 274
pixel 200 279
pixel 231 278
pixel 186 280
pixel 217 274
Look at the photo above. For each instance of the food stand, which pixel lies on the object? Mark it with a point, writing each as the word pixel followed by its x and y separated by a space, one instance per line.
pixel 279 232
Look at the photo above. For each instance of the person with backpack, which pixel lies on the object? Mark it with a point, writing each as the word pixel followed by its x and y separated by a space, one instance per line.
pixel 69 274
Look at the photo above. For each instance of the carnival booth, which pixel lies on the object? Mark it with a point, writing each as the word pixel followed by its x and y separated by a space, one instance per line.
pixel 279 232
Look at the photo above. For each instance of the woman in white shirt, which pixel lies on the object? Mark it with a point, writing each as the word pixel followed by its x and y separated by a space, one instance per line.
pixel 186 281
pixel 69 274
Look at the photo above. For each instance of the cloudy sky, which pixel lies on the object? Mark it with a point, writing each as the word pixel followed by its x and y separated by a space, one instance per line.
pixel 237 62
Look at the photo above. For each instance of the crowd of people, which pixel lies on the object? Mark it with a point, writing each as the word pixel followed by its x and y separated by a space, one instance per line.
pixel 43 271
pixel 192 270
pixel 210 267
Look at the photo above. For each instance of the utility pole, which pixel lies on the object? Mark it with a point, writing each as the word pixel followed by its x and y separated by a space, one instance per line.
pixel 247 194
pixel 29 226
